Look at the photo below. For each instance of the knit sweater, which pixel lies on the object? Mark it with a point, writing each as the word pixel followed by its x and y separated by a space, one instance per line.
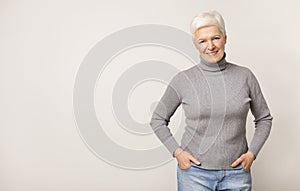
pixel 215 99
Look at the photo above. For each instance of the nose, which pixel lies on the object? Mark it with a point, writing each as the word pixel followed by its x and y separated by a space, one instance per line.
pixel 210 45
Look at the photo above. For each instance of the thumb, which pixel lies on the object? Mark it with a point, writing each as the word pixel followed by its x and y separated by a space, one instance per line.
pixel 194 160
pixel 236 162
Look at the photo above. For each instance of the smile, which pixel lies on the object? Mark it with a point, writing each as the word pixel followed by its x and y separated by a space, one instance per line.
pixel 212 53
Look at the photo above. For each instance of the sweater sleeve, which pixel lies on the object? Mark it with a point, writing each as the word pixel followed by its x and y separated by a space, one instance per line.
pixel 163 112
pixel 262 116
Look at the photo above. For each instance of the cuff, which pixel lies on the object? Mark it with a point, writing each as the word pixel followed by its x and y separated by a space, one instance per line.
pixel 171 145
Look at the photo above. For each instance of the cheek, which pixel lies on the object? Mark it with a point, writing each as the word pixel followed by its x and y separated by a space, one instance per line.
pixel 200 48
pixel 221 45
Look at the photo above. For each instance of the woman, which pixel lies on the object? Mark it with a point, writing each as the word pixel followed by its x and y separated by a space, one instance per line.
pixel 216 96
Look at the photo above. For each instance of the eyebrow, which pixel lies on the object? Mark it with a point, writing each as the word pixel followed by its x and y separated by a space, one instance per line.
pixel 217 35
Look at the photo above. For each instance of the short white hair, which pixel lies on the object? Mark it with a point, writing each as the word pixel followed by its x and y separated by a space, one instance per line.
pixel 208 19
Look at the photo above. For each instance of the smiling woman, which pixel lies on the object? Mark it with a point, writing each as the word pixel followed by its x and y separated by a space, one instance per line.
pixel 209 34
pixel 216 96
pixel 210 42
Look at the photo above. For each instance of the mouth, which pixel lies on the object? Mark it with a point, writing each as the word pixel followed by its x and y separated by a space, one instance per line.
pixel 213 53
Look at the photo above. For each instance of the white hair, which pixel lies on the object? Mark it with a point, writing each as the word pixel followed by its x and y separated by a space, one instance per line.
pixel 208 19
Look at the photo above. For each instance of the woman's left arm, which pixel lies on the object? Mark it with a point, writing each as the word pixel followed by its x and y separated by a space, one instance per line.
pixel 262 121
pixel 262 115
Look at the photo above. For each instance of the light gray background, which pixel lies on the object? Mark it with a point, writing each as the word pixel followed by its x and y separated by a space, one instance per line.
pixel 42 45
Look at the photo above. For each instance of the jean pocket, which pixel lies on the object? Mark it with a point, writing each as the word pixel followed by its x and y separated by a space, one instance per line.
pixel 243 169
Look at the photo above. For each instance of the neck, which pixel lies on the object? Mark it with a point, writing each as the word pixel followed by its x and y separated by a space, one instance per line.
pixel 213 67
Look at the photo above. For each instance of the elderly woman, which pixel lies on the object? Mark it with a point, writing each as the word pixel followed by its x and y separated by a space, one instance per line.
pixel 216 96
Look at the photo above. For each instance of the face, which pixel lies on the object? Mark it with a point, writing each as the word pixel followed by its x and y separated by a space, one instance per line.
pixel 210 42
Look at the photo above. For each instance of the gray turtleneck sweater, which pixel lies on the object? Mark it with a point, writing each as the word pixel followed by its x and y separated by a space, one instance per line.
pixel 216 99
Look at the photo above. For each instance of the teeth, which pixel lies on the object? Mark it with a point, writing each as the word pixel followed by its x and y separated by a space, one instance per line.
pixel 212 53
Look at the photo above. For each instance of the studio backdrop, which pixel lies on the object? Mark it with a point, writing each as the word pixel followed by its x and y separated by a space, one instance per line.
pixel 80 80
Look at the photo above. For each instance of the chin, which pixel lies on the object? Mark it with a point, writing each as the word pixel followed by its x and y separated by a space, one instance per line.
pixel 212 60
pixel 215 59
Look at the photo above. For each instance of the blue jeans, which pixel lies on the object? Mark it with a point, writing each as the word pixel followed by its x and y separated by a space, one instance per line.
pixel 197 179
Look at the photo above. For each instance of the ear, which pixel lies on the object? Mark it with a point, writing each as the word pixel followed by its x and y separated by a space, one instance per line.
pixel 225 39
pixel 195 42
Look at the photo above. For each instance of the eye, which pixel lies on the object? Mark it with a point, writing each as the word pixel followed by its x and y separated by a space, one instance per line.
pixel 201 41
pixel 216 38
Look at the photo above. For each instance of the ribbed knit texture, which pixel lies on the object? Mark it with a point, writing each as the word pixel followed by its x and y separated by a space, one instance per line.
pixel 216 99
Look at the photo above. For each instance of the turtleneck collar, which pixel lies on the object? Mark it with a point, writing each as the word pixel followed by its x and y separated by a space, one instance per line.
pixel 213 67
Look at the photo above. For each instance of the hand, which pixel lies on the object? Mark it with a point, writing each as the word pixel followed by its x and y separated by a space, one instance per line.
pixel 245 159
pixel 184 159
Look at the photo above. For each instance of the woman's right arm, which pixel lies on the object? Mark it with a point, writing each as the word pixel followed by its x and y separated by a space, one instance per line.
pixel 165 109
pixel 163 112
